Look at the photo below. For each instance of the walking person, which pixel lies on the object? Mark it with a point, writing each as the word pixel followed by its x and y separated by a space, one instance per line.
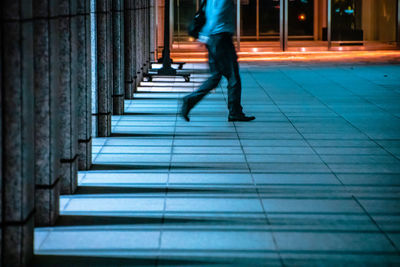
pixel 217 35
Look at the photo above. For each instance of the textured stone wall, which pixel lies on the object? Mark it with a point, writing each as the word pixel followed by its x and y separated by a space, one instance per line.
pixel 47 114
pixel 18 184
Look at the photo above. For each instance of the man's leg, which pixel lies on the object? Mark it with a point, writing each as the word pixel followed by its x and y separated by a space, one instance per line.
pixel 228 64
pixel 212 82
pixel 226 59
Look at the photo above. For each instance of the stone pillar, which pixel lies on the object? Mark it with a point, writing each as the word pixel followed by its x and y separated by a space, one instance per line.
pixel 67 21
pixel 118 56
pixel 129 48
pixel 148 33
pixel 1 137
pixel 144 36
pixel 18 185
pixel 93 62
pixel 152 35
pixel 47 134
pixel 84 85
pixel 104 103
pixel 138 34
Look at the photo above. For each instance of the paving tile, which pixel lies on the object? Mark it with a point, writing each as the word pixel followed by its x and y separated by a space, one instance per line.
pixel 383 168
pixel 284 150
pixel 333 242
pixel 40 235
pixel 305 191
pixel 111 178
pixel 241 205
pixel 274 143
pixel 139 141
pixel 217 240
pixel 208 150
pixel 294 168
pixel 97 240
pixel 350 151
pixel 342 143
pixel 372 159
pixel 387 222
pixel 321 222
pixel 287 205
pixel 229 158
pixel 283 158
pixel 339 259
pixel 113 204
pixel 381 206
pixel 210 178
pixel 136 150
pixel 132 158
pixel 301 179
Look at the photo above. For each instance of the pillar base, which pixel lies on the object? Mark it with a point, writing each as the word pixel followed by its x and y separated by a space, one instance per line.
pixel 18 240
pixel 69 175
pixel 129 90
pixel 104 122
pixel 118 104
pixel 85 154
pixel 47 204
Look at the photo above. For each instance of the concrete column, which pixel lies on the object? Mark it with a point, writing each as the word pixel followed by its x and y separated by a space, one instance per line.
pixel 129 48
pixel 153 29
pixel 1 137
pixel 47 114
pixel 68 94
pixel 104 103
pixel 138 34
pixel 148 9
pixel 17 183
pixel 93 62
pixel 146 36
pixel 118 56
pixel 84 85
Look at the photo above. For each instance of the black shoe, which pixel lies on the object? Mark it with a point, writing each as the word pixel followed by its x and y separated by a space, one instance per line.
pixel 241 117
pixel 185 109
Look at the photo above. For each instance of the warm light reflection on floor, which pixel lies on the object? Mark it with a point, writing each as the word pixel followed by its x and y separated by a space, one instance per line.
pixel 315 56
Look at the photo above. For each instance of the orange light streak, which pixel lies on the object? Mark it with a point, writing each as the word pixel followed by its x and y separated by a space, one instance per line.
pixel 312 56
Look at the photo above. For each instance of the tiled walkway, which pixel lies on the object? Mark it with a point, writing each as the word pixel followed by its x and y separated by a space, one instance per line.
pixel 315 180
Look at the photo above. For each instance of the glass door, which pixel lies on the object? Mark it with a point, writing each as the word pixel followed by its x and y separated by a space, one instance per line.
pixel 306 20
pixel 369 24
pixel 259 24
pixel 183 12
pixel 269 15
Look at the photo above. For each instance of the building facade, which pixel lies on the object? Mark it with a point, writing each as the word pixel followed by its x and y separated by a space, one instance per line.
pixel 283 25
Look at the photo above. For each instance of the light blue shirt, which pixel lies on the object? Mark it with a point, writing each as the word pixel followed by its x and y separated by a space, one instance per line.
pixel 220 17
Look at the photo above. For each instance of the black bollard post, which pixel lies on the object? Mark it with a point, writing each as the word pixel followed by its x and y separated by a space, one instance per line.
pixel 166 59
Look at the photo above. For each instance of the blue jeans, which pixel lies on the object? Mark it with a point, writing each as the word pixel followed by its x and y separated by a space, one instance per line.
pixel 222 59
